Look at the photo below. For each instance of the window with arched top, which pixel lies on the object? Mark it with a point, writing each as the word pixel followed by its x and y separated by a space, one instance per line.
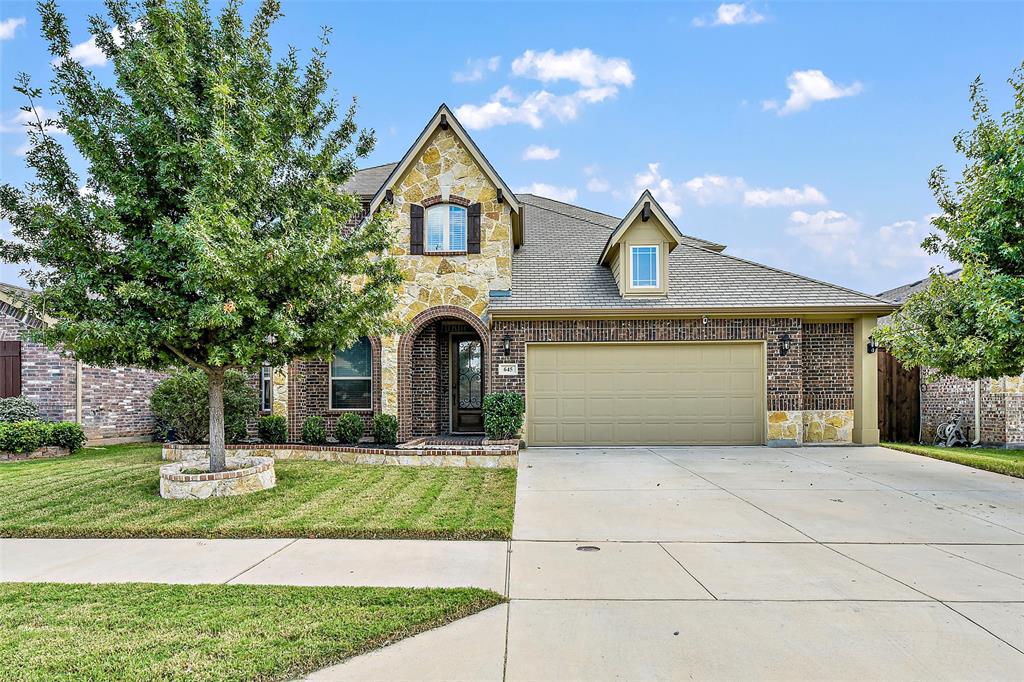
pixel 446 228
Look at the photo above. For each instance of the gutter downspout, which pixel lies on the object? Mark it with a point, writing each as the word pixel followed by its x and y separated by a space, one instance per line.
pixel 977 412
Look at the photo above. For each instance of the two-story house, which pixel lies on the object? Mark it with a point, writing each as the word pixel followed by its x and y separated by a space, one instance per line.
pixel 616 330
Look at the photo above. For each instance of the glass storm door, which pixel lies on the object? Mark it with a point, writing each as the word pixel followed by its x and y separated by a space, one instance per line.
pixel 467 384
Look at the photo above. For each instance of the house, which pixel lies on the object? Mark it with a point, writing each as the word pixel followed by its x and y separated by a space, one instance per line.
pixel 111 404
pixel 618 330
pixel 942 397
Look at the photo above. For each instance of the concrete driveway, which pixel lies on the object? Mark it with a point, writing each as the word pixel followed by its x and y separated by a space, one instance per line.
pixel 744 563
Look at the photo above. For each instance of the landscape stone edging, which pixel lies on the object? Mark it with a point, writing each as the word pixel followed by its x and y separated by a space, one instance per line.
pixel 251 474
pixel 45 452
pixel 487 457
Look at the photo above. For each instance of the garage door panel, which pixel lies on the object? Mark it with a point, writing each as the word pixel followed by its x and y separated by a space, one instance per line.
pixel 594 394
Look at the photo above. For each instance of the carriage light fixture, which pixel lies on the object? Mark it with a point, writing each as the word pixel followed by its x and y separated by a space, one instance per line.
pixel 872 346
pixel 506 345
pixel 784 344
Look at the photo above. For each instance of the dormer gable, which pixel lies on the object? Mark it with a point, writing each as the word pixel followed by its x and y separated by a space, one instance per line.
pixel 637 249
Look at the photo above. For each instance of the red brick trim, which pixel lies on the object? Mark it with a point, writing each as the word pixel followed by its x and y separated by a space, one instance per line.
pixel 452 199
pixel 445 253
pixel 405 345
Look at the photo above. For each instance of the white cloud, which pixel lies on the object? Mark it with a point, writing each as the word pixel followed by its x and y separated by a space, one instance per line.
pixel 787 196
pixel 828 233
pixel 539 152
pixel 90 54
pixel 506 107
pixel 668 194
pixel 17 123
pixel 580 65
pixel 714 189
pixel 476 69
pixel 550 191
pixel 898 246
pixel 9 26
pixel 731 14
pixel 598 185
pixel 808 87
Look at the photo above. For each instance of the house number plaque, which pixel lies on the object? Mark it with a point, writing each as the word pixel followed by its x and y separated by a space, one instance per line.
pixel 508 369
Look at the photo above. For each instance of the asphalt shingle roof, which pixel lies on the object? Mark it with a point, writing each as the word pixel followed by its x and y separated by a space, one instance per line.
pixel 557 268
pixel 366 181
pixel 902 293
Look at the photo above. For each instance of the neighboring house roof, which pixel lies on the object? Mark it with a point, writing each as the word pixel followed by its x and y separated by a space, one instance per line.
pixel 444 118
pixel 366 181
pixel 902 293
pixel 12 302
pixel 558 269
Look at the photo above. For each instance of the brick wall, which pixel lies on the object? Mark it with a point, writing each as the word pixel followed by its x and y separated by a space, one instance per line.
pixel 1002 406
pixel 115 402
pixel 424 370
pixel 828 366
pixel 785 385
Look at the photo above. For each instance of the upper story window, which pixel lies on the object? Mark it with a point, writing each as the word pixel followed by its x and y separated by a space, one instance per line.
pixel 446 228
pixel 266 388
pixel 643 267
pixel 351 377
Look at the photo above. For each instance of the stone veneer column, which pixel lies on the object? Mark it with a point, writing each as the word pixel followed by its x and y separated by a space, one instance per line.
pixel 279 391
pixel 865 383
pixel 389 375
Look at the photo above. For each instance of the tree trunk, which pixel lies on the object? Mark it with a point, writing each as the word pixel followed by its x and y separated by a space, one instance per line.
pixel 218 452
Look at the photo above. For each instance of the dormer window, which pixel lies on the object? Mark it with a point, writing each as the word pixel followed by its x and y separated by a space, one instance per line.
pixel 643 267
pixel 446 228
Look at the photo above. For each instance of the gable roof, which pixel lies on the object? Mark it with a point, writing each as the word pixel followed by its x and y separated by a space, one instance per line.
pixel 902 293
pixel 366 181
pixel 559 269
pixel 443 112
pixel 645 198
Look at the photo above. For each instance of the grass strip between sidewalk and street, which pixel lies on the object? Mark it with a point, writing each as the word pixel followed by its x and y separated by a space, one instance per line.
pixel 113 492
pixel 998 460
pixel 144 631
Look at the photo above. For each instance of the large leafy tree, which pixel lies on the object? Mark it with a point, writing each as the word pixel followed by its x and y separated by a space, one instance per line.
pixel 973 326
pixel 209 231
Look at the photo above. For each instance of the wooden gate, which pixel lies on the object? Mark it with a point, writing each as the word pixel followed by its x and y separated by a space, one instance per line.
pixel 899 400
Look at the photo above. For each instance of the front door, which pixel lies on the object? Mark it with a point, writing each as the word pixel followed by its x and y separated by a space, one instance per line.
pixel 467 384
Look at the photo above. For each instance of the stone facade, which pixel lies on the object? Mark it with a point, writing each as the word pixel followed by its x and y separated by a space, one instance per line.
pixel 245 474
pixel 504 456
pixel 1002 406
pixel 827 426
pixel 114 401
pixel 785 427
pixel 45 452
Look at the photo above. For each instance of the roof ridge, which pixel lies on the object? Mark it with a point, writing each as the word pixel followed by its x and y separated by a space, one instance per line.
pixel 566 203
pixel 792 274
pixel 379 165
pixel 566 215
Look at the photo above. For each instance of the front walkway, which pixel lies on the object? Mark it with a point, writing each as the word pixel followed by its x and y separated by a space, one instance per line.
pixel 743 563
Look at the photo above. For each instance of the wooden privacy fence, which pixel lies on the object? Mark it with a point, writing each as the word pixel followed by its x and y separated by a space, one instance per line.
pixel 10 369
pixel 899 400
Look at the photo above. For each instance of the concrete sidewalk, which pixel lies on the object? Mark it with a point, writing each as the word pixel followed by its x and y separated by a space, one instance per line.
pixel 376 563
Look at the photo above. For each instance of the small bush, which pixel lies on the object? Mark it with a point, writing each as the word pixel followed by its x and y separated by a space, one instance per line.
pixel 273 428
pixel 66 435
pixel 349 428
pixel 503 415
pixel 385 429
pixel 22 437
pixel 17 410
pixel 314 430
pixel 181 403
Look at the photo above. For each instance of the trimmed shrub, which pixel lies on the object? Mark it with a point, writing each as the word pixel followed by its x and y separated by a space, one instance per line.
pixel 273 428
pixel 385 429
pixel 349 428
pixel 66 435
pixel 503 415
pixel 17 410
pixel 22 437
pixel 314 430
pixel 181 403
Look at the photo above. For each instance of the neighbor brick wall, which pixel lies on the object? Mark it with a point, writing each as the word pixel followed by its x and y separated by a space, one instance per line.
pixel 1002 406
pixel 785 381
pixel 828 366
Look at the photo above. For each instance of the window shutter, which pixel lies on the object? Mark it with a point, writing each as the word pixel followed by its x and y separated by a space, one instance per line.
pixel 473 231
pixel 415 229
pixel 10 369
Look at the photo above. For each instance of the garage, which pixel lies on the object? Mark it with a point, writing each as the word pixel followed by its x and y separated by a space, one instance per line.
pixel 645 393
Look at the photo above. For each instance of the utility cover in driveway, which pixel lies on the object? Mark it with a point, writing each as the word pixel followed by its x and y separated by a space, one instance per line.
pixel 645 394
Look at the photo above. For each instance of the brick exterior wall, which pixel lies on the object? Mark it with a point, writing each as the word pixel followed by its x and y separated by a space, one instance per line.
pixel 115 401
pixel 1002 406
pixel 427 386
pixel 828 366
pixel 309 393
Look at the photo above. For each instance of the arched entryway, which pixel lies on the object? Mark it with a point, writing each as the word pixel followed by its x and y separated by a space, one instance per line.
pixel 442 373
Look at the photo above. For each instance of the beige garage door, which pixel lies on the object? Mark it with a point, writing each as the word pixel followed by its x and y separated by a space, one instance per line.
pixel 644 394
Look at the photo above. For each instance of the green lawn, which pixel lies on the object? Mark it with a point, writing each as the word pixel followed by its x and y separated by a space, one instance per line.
pixel 1009 462
pixel 140 631
pixel 114 492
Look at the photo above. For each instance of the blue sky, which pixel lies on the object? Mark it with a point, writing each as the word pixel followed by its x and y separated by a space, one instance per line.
pixel 800 135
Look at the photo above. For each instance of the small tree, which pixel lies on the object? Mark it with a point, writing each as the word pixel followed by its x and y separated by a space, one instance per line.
pixel 210 231
pixel 973 326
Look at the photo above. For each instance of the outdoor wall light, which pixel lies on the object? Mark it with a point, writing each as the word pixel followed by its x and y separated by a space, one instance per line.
pixel 506 345
pixel 872 346
pixel 784 344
